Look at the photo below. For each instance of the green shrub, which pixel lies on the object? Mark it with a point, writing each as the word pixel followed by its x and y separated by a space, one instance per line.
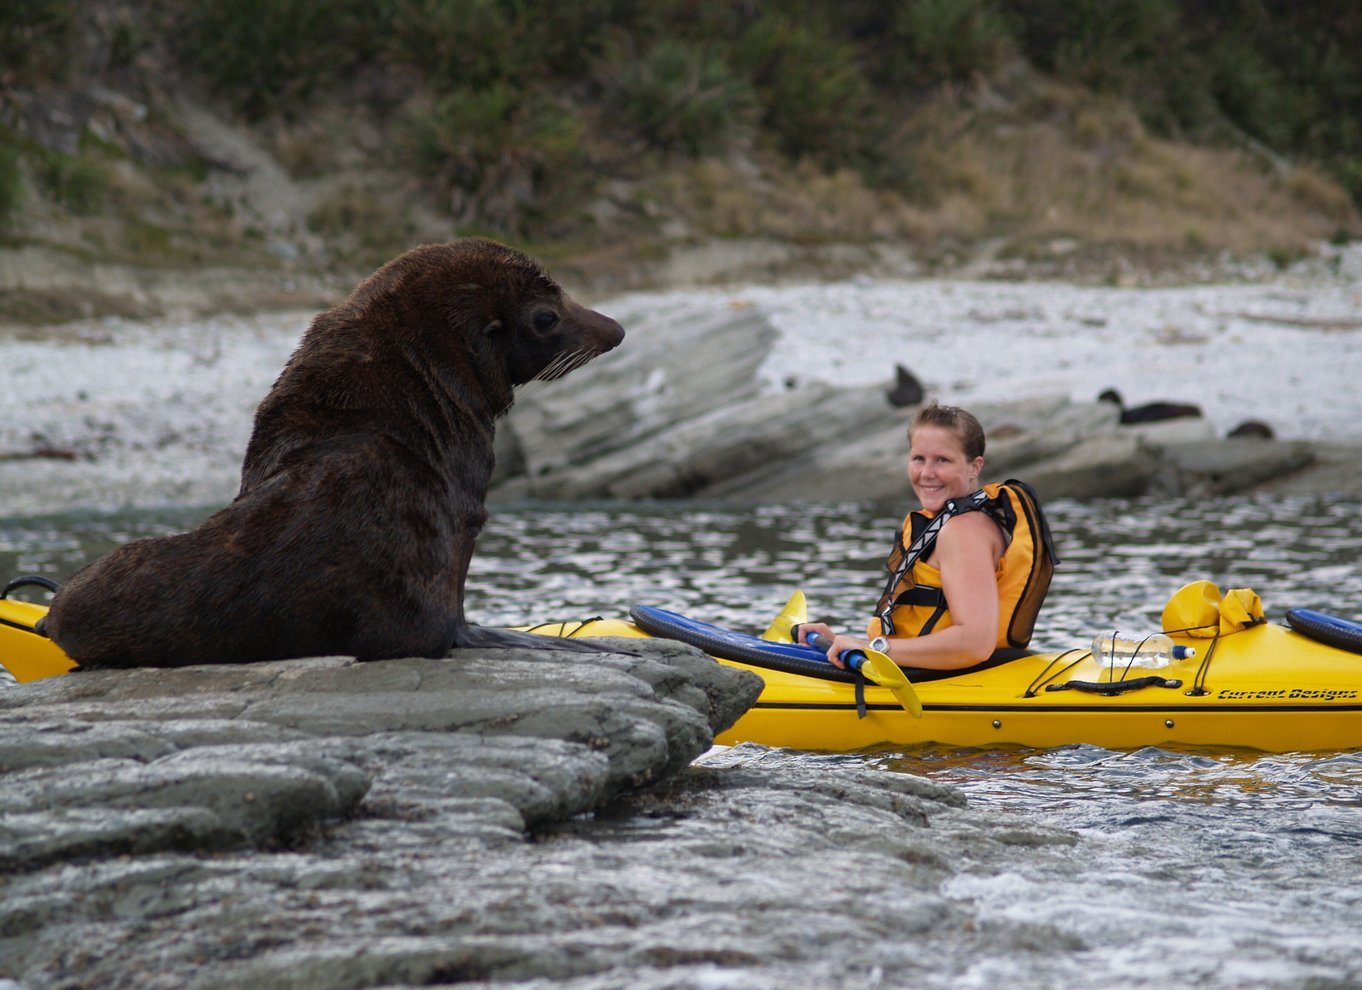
pixel 356 217
pixel 684 98
pixel 1330 121
pixel 1348 172
pixel 1249 91
pixel 35 39
pixel 130 38
pixel 148 240
pixel 502 155
pixel 814 98
pixel 473 126
pixel 478 42
pixel 1144 51
pixel 689 21
pixel 266 56
pixel 76 182
pixel 460 42
pixel 1118 46
pixel 947 40
pixel 11 181
pixel 1141 50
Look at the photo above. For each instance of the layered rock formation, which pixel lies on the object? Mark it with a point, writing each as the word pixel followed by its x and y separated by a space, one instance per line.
pixel 683 412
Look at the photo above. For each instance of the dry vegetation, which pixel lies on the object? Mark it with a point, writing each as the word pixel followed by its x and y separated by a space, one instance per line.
pixel 1055 168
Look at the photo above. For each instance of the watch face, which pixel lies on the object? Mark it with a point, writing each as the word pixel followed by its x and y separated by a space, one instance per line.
pixel 879 644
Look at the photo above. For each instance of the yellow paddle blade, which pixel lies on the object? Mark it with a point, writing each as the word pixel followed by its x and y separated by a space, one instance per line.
pixel 886 673
pixel 796 610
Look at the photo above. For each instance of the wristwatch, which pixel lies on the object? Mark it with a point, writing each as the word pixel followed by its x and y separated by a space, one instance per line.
pixel 879 644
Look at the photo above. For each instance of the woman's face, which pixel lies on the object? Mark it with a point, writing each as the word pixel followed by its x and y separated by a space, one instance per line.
pixel 938 469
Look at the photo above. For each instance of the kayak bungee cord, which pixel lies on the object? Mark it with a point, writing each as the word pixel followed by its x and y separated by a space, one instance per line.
pixel 1046 675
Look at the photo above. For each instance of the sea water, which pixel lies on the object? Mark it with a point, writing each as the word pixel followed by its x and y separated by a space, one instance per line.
pixel 1218 868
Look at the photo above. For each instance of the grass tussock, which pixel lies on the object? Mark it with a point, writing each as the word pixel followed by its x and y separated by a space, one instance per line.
pixel 1089 168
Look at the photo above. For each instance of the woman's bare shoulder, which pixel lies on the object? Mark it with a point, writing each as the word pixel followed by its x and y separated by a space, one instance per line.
pixel 972 528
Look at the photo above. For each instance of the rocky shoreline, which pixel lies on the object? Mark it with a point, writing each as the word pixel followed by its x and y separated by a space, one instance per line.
pixel 130 798
pixel 488 819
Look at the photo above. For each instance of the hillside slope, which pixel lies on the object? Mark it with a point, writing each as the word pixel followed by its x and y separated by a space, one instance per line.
pixel 131 185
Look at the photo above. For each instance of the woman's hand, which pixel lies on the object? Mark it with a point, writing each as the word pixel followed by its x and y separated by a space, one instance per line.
pixel 808 629
pixel 840 641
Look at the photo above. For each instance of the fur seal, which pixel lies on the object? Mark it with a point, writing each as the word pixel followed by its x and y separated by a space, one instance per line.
pixel 1255 428
pixel 364 482
pixel 1150 412
pixel 907 390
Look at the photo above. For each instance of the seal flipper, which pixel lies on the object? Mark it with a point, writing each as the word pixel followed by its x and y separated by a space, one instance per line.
pixel 470 636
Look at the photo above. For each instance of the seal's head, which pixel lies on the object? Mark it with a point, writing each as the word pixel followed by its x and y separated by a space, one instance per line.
pixel 484 307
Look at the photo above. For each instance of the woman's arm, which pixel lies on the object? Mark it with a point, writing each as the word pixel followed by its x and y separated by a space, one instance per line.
pixel 967 553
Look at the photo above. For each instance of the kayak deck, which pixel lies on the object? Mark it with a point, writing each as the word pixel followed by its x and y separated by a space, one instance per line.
pixel 1267 688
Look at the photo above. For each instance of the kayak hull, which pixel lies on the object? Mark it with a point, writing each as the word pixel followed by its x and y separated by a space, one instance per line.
pixel 1267 688
pixel 1129 726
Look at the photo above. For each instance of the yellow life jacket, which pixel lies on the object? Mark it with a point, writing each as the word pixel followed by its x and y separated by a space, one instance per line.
pixel 913 602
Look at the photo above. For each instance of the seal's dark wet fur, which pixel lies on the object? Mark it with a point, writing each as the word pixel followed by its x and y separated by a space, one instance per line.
pixel 363 486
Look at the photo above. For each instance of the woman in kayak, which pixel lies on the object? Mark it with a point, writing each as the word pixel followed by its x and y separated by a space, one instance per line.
pixel 963 583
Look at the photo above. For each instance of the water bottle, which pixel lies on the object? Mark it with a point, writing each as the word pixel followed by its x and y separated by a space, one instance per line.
pixel 1128 651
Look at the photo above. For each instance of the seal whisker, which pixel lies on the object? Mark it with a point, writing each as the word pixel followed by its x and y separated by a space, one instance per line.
pixel 562 364
pixel 550 370
pixel 570 362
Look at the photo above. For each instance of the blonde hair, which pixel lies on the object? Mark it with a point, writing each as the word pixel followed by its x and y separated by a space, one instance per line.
pixel 960 422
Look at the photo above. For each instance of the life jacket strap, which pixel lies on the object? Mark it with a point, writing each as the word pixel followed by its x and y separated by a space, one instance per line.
pixel 921 594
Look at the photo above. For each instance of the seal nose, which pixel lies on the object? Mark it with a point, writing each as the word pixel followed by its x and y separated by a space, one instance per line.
pixel 612 333
pixel 604 333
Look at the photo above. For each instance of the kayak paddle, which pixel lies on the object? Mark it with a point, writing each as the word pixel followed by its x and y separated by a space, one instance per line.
pixel 882 670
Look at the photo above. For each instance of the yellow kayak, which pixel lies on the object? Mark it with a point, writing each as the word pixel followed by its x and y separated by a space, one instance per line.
pixel 1268 687
pixel 24 653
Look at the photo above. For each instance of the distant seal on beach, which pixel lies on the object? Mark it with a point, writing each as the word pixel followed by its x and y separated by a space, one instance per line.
pixel 907 390
pixel 1150 412
pixel 1255 428
pixel 364 482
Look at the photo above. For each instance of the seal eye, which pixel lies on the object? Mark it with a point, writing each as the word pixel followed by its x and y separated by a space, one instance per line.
pixel 545 321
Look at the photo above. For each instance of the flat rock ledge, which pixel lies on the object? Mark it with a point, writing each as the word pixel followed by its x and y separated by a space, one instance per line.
pixel 493 818
pixel 263 755
pixel 105 766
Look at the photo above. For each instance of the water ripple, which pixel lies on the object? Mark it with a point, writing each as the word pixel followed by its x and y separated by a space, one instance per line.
pixel 1214 868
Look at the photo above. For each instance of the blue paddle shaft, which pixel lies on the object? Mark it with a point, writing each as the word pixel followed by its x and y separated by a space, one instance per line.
pixel 852 658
